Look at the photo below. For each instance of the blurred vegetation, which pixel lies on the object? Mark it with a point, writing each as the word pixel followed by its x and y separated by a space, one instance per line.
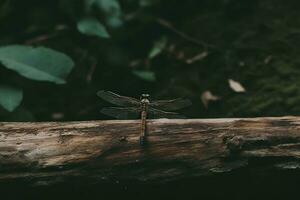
pixel 165 48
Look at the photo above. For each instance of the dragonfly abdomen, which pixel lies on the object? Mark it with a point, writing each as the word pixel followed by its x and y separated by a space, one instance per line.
pixel 144 114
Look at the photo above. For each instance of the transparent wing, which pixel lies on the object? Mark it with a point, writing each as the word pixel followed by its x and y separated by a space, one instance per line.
pixel 121 113
pixel 170 105
pixel 118 99
pixel 154 113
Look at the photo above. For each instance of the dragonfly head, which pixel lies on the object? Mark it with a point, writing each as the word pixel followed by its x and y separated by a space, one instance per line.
pixel 145 97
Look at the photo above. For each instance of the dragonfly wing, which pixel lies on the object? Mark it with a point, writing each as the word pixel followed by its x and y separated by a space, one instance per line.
pixel 170 105
pixel 118 99
pixel 121 113
pixel 154 113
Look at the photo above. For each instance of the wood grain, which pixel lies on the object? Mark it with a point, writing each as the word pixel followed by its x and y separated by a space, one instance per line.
pixel 50 152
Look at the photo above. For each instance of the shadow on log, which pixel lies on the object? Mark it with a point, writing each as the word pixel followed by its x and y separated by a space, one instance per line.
pixel 101 151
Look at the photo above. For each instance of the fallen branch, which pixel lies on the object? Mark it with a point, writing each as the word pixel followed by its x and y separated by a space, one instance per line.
pixel 106 150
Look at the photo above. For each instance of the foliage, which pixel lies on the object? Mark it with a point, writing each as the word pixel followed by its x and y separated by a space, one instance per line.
pixel 40 64
pixel 10 97
pixel 145 75
pixel 91 26
pixel 158 47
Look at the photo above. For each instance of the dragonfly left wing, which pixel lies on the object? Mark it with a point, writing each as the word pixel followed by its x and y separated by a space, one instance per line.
pixel 118 99
pixel 170 105
pixel 121 113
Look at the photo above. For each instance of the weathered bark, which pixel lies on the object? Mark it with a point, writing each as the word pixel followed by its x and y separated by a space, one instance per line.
pixel 109 150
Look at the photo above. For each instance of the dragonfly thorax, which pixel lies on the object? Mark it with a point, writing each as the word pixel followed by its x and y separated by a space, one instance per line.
pixel 145 98
pixel 145 101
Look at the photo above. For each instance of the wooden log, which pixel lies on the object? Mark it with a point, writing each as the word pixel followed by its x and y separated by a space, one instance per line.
pixel 49 152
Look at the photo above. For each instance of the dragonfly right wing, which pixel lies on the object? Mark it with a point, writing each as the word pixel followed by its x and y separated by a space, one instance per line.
pixel 170 105
pixel 121 113
pixel 156 114
pixel 118 99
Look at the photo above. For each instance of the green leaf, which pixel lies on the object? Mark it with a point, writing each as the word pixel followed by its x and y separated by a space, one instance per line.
pixel 91 26
pixel 110 8
pixel 158 47
pixel 145 75
pixel 41 64
pixel 10 97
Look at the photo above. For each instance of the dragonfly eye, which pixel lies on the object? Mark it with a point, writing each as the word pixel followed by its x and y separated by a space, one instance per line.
pixel 145 96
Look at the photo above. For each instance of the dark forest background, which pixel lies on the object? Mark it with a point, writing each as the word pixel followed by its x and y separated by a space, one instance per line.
pixel 165 48
pixel 232 58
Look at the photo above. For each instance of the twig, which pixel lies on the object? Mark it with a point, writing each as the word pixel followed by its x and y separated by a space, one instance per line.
pixel 40 38
pixel 44 37
pixel 91 71
pixel 169 26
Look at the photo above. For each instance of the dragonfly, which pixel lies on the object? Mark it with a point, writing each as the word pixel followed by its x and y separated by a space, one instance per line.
pixel 143 108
